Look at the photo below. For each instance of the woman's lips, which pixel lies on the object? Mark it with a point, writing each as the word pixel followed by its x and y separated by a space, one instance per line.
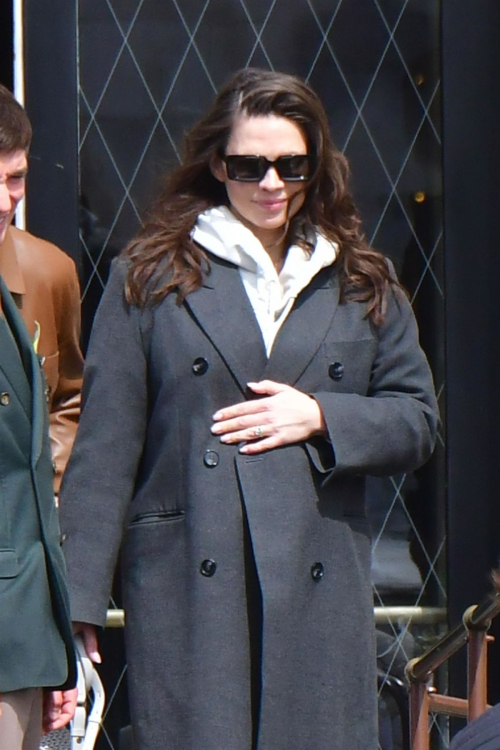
pixel 272 205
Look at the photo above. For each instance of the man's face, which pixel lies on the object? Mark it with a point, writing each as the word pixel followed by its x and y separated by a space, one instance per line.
pixel 13 170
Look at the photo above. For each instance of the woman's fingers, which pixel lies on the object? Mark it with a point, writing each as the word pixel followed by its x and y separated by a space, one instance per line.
pixel 244 425
pixel 283 416
pixel 257 430
pixel 237 411
pixel 269 387
pixel 89 637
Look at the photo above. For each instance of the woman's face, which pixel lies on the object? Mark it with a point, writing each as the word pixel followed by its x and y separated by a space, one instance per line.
pixel 265 206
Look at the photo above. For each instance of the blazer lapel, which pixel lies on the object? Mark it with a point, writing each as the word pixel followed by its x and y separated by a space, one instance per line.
pixel 222 309
pixel 13 360
pixel 304 329
pixel 25 372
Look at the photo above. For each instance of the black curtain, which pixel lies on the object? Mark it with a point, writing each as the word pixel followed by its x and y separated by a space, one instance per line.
pixel 51 87
pixel 6 44
pixel 471 108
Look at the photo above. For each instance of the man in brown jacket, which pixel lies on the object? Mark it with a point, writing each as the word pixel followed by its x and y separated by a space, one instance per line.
pixel 43 282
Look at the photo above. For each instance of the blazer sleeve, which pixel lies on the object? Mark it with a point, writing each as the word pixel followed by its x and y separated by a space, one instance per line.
pixel 392 428
pixel 65 401
pixel 100 478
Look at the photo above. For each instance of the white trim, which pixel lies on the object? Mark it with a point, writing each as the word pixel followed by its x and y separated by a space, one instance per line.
pixel 19 84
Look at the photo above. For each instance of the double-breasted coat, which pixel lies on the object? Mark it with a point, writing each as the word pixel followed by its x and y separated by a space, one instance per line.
pixel 36 643
pixel 147 473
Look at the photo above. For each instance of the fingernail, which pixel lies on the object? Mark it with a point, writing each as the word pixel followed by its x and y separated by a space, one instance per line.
pixel 243 449
pixel 214 429
pixel 217 415
pixel 224 439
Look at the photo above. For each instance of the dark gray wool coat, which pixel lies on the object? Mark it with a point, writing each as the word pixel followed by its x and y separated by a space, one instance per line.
pixel 147 473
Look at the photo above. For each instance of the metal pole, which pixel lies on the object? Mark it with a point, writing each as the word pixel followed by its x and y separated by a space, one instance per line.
pixel 19 84
pixel 477 673
pixel 448 705
pixel 419 716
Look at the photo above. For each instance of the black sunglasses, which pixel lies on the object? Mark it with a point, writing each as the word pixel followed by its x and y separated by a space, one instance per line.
pixel 293 168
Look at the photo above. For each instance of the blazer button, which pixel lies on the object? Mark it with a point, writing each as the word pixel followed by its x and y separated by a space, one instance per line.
pixel 199 366
pixel 317 572
pixel 336 371
pixel 208 568
pixel 211 459
pixel 4 398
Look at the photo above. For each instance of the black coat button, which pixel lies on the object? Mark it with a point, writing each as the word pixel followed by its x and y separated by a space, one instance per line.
pixel 317 572
pixel 208 568
pixel 4 398
pixel 211 459
pixel 336 371
pixel 199 366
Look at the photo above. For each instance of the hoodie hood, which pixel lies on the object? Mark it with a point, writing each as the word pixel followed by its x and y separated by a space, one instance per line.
pixel 271 294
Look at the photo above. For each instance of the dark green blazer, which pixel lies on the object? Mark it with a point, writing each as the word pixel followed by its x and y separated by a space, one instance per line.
pixel 36 647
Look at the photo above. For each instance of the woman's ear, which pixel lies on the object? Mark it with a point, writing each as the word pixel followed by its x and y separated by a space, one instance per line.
pixel 218 169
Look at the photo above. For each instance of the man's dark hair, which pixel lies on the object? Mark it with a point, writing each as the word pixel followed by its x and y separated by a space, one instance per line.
pixel 15 127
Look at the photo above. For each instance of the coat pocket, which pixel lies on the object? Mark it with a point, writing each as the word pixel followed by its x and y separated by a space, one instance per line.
pixel 9 565
pixel 155 517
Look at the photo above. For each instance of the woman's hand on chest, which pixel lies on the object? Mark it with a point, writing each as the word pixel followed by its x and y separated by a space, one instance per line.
pixel 282 416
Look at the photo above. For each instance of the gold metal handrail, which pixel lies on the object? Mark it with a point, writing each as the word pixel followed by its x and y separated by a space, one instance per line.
pixel 115 618
pixel 383 616
pixel 473 630
pixel 413 615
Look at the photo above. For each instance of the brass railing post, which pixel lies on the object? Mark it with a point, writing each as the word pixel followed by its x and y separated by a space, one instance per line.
pixel 419 712
pixel 472 630
pixel 477 665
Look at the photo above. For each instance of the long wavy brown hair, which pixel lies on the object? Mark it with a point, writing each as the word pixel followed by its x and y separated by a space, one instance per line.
pixel 164 259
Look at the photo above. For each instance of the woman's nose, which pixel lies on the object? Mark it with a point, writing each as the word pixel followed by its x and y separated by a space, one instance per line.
pixel 271 180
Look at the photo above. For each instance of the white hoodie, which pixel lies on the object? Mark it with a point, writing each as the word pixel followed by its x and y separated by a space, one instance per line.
pixel 271 295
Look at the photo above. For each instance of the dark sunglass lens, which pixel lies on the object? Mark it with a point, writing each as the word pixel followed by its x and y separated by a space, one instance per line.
pixel 254 168
pixel 244 168
pixel 294 167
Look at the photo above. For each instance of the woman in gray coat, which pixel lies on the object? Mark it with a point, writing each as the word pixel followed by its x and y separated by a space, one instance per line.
pixel 252 361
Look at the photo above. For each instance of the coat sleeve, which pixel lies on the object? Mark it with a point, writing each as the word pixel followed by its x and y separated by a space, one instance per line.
pixel 100 478
pixel 65 401
pixel 391 429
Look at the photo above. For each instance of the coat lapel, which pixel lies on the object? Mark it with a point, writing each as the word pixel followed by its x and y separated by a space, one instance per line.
pixel 304 329
pixel 12 361
pixel 24 371
pixel 222 309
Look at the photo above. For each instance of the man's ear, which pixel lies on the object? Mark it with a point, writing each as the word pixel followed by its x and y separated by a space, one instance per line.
pixel 218 169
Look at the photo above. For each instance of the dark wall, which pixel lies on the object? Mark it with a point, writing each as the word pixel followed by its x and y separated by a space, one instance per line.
pixel 471 109
pixel 6 42
pixel 51 102
pixel 51 96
